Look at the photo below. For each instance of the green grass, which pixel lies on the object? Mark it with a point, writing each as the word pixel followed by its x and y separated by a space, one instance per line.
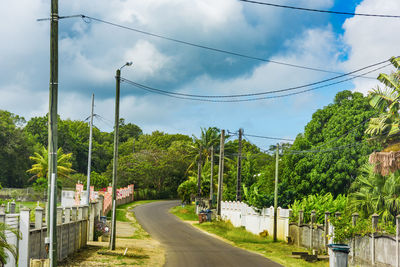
pixel 186 213
pixel 238 236
pixel 122 211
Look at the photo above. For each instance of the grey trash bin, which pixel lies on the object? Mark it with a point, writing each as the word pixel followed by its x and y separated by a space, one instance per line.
pixel 338 255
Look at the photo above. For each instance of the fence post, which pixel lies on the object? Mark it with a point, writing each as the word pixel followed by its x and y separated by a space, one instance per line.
pixel 312 221
pixel 375 218
pixel 2 208
pixel 23 247
pixel 301 221
pixel 91 221
pixel 2 217
pixel 326 229
pixel 59 215
pixel 80 213
pixel 38 217
pixel 67 215
pixel 337 214
pixel 73 214
pixel 397 239
pixel 12 207
pixel 353 249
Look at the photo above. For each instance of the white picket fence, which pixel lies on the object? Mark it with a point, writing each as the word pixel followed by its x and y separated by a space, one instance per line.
pixel 241 214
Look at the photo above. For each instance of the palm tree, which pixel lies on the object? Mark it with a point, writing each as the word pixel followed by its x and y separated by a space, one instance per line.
pixel 5 246
pixel 202 146
pixel 375 193
pixel 387 103
pixel 40 166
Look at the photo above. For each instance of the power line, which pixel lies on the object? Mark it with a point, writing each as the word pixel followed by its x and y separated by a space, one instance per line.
pixel 206 98
pixel 89 18
pixel 321 11
pixel 290 88
pixel 267 137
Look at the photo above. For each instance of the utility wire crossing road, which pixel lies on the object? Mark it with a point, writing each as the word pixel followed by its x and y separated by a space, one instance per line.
pixel 187 246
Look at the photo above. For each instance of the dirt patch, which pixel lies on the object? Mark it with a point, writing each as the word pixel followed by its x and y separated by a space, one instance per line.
pixel 134 247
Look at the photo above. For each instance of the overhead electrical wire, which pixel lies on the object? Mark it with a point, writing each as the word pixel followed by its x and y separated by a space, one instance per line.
pixel 321 10
pixel 291 88
pixel 87 19
pixel 206 98
pixel 268 137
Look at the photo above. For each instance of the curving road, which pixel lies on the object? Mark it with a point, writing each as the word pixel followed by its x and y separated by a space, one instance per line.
pixel 187 246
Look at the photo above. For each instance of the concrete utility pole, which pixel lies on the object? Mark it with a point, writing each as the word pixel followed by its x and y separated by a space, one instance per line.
pixel 199 174
pixel 239 169
pixel 52 137
pixel 220 171
pixel 115 160
pixel 276 193
pixel 90 153
pixel 212 176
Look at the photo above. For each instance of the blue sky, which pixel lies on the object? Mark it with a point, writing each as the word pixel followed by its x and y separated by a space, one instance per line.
pixel 91 52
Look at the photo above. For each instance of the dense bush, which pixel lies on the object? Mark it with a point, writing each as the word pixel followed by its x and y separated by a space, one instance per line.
pixel 319 203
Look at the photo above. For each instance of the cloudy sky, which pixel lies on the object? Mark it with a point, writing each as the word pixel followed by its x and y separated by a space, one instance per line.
pixel 90 52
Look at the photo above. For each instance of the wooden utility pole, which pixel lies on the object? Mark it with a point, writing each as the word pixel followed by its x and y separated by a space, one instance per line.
pixel 212 176
pixel 115 162
pixel 52 137
pixel 239 169
pixel 90 152
pixel 276 193
pixel 199 174
pixel 220 171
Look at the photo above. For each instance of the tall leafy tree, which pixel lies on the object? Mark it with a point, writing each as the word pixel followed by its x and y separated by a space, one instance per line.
pixel 337 147
pixel 15 148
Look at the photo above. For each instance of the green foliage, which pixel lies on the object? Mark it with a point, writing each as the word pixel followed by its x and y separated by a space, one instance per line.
pixel 15 148
pixel 185 212
pixel 319 203
pixel 374 193
pixel 332 170
pixel 5 246
pixel 187 190
pixel 387 124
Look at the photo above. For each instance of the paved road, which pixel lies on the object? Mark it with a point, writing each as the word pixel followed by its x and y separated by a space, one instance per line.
pixel 187 246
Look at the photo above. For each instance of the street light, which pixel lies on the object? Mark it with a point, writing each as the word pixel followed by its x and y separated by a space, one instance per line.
pixel 115 161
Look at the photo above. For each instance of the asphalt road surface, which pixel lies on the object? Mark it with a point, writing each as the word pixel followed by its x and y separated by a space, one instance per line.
pixel 187 246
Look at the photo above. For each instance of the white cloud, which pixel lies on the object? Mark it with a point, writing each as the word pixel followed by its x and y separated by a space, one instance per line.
pixel 371 40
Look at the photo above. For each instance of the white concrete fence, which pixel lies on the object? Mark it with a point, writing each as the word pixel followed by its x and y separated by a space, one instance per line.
pixel 74 228
pixel 240 214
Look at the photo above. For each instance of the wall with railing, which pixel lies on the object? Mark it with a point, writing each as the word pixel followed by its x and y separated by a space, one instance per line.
pixel 241 214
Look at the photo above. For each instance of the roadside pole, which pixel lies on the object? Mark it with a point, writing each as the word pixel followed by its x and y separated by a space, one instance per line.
pixel 115 161
pixel 199 175
pixel 212 176
pixel 276 194
pixel 90 153
pixel 220 172
pixel 52 137
pixel 239 169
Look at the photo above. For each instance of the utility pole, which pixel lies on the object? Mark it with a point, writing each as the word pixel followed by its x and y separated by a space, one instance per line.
pixel 239 169
pixel 276 193
pixel 212 176
pixel 52 137
pixel 90 153
pixel 199 174
pixel 115 160
pixel 220 171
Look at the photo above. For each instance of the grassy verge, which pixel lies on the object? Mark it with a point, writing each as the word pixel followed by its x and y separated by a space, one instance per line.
pixel 186 213
pixel 279 252
pixel 124 215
